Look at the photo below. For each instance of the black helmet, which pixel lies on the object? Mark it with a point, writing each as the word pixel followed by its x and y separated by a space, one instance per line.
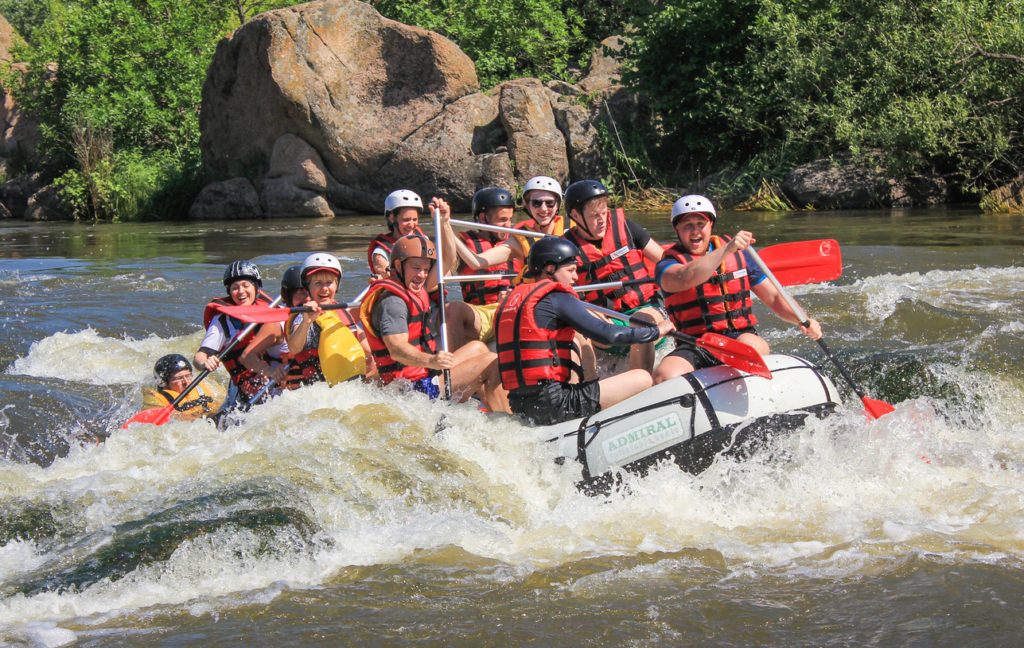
pixel 491 197
pixel 580 192
pixel 291 281
pixel 169 365
pixel 242 270
pixel 551 250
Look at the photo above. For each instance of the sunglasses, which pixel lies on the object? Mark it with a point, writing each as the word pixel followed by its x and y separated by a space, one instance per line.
pixel 543 203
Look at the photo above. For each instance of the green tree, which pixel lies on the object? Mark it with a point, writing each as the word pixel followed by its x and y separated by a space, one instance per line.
pixel 505 38
pixel 116 86
pixel 933 85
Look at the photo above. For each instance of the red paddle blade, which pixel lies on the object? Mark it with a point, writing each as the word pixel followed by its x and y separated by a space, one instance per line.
pixel 804 262
pixel 876 408
pixel 734 353
pixel 155 415
pixel 256 313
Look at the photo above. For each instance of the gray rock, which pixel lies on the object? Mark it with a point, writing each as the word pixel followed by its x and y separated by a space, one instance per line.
pixel 46 205
pixel 4 212
pixel 581 140
pixel 843 182
pixel 226 200
pixel 15 192
pixel 358 88
pixel 452 155
pixel 534 140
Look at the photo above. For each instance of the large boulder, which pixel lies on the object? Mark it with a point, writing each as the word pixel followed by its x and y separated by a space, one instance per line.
pixel 16 192
pixel 234 199
pixel 846 182
pixel 534 140
pixel 46 205
pixel 355 86
pixel 297 184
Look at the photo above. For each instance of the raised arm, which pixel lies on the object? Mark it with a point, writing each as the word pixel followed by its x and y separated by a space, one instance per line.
pixel 684 276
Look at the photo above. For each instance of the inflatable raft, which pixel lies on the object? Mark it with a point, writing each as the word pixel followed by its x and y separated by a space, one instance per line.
pixel 691 419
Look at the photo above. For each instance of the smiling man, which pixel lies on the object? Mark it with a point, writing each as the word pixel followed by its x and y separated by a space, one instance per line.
pixel 400 317
pixel 614 248
pixel 708 280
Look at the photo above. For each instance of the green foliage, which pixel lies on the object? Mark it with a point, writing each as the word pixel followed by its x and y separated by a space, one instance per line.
pixel 127 76
pixel 25 15
pixel 733 79
pixel 505 38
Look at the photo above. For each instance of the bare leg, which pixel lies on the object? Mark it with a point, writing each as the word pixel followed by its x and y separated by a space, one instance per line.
pixel 586 358
pixel 463 324
pixel 670 367
pixel 641 356
pixel 476 371
pixel 619 388
pixel 756 341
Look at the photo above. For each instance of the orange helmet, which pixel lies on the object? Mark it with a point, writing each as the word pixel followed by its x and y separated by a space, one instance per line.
pixel 412 246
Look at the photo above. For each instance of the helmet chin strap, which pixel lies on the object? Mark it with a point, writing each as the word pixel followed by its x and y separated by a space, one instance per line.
pixel 582 224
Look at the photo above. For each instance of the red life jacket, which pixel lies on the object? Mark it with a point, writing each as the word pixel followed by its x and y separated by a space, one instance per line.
pixel 249 382
pixel 528 353
pixel 386 241
pixel 486 292
pixel 421 332
pixel 211 311
pixel 305 364
pixel 720 303
pixel 617 260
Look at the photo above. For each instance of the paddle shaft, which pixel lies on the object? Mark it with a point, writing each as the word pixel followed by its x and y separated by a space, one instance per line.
pixel 231 345
pixel 805 321
pixel 633 319
pixel 440 286
pixel 495 228
pixel 479 277
pixel 613 284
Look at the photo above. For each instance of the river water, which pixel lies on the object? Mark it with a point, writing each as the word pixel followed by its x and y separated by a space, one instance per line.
pixel 337 516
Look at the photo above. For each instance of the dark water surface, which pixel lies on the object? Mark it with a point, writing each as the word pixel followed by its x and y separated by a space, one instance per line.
pixel 336 516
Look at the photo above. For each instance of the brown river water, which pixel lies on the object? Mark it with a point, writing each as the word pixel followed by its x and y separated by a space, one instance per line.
pixel 341 517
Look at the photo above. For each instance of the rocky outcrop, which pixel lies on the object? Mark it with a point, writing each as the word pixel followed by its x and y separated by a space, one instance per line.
pixel 234 199
pixel 46 205
pixel 534 140
pixel 374 105
pixel 354 85
pixel 20 133
pixel 845 182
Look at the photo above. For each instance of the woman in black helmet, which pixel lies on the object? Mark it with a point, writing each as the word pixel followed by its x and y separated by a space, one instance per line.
pixel 243 282
pixel 535 326
pixel 173 373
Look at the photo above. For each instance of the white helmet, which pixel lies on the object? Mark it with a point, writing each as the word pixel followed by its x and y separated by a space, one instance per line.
pixel 543 183
pixel 319 261
pixel 693 204
pixel 402 198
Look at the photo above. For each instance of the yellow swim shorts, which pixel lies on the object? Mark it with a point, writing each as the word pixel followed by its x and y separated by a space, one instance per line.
pixel 486 314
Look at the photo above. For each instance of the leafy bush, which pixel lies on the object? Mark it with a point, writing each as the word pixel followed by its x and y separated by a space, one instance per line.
pixel 505 38
pixel 129 74
pixel 930 84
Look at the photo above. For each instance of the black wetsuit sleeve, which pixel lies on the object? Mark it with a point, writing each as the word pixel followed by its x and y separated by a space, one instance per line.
pixel 559 309
pixel 640 236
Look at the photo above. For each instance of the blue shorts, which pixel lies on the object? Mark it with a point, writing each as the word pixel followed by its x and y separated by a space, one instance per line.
pixel 427 386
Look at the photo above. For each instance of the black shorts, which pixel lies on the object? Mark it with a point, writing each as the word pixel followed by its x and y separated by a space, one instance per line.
pixel 552 402
pixel 700 358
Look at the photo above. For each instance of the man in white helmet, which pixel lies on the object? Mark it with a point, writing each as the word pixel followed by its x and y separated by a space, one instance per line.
pixel 402 209
pixel 707 280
